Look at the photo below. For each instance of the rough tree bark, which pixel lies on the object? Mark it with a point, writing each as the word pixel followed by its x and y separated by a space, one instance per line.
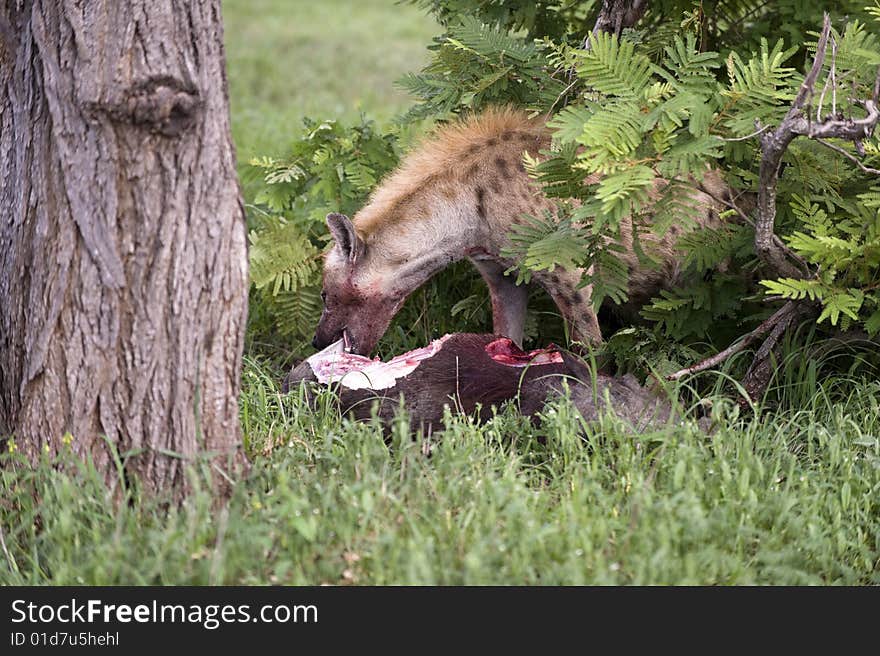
pixel 123 264
pixel 616 15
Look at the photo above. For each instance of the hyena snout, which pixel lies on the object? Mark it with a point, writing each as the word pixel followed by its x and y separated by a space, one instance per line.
pixel 360 328
pixel 326 333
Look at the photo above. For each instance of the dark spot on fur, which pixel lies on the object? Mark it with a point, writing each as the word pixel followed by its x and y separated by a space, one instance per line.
pixel 492 142
pixel 472 149
pixel 507 136
pixel 481 208
pixel 472 170
pixel 501 163
pixel 576 297
pixel 554 278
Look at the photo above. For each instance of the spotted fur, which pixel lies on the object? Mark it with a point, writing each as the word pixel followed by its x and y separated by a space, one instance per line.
pixel 456 196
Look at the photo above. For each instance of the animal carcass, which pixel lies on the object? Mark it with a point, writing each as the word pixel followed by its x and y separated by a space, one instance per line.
pixel 472 373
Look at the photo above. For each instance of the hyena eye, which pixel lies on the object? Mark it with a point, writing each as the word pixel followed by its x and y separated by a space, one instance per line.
pixel 323 296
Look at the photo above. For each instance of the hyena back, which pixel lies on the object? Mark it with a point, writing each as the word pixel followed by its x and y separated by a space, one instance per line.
pixel 456 197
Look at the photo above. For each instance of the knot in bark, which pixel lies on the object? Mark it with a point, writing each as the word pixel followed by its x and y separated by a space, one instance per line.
pixel 162 105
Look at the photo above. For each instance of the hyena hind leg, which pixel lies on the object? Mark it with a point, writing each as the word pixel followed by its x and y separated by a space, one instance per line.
pixel 509 300
pixel 574 304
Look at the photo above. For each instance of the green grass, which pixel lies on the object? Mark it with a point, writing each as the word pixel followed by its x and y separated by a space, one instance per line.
pixel 331 59
pixel 791 497
pixel 788 495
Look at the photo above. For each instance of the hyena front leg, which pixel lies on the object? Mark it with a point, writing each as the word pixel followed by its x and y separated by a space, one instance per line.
pixel 574 304
pixel 509 300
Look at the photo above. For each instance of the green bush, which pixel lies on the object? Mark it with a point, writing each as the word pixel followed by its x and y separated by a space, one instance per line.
pixel 678 93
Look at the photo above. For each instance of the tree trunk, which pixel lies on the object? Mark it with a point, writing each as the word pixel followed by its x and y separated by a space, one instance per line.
pixel 123 258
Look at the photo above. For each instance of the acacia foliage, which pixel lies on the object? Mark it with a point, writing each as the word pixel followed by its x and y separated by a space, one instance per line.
pixel 331 168
pixel 676 95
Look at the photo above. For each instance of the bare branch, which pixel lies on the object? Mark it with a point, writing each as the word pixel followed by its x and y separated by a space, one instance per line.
pixel 616 15
pixel 745 218
pixel 773 146
pixel 855 160
pixel 782 316
pixel 849 129
pixel 748 136
pixel 809 82
pixel 760 372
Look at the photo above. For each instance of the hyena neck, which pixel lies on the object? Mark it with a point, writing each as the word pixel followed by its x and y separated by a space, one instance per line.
pixel 421 252
pixel 468 216
pixel 454 197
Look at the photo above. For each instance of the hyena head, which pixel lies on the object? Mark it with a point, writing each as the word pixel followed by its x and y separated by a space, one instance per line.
pixel 357 304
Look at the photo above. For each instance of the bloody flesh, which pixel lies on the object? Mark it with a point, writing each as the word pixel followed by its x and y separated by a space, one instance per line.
pixel 473 374
pixel 334 364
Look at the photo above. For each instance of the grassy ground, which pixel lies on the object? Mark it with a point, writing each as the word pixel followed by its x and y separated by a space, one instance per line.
pixel 790 496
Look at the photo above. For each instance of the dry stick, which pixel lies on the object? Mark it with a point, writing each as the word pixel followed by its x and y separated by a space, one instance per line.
pixel 821 102
pixel 730 204
pixel 780 315
pixel 758 375
pixel 747 137
pixel 849 156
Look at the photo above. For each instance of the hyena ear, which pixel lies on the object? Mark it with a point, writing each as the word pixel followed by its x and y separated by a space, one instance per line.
pixel 345 236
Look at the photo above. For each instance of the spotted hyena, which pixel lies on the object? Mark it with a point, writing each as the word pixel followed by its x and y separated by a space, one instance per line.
pixel 456 196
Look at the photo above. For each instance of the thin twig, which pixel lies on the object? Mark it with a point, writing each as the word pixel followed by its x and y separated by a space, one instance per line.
pixel 730 204
pixel 778 316
pixel 562 95
pixel 833 76
pixel 822 99
pixel 748 136
pixel 855 160
pixel 810 80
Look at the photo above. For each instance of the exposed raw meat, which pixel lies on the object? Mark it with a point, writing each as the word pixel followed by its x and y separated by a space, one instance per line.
pixel 472 374
pixel 336 365
pixel 506 352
